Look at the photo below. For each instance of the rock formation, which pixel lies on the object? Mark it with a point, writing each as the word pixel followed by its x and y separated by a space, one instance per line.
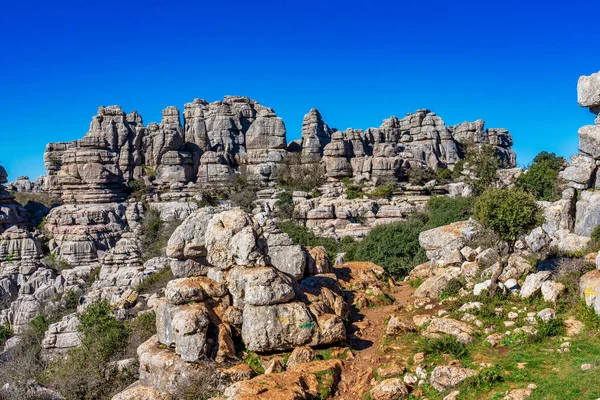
pixel 11 212
pixel 237 282
pixel 238 135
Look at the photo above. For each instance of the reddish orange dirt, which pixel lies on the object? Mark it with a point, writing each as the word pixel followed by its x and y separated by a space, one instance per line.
pixel 366 337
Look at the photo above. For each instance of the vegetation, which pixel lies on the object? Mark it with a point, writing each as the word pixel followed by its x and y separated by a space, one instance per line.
pixel 445 210
pixel 155 281
pixel 137 189
pixel 292 174
pixel 155 233
pixel 508 212
pixel 483 164
pixel 285 205
pixel 385 191
pixel 56 263
pixel 352 190
pixel 305 237
pixel 541 178
pixel 5 334
pixel 396 247
pixel 242 193
pixel 445 344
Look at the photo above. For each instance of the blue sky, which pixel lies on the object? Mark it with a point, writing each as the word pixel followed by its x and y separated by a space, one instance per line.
pixel 514 64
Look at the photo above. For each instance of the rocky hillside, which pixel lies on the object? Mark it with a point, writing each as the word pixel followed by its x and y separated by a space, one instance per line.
pixel 213 259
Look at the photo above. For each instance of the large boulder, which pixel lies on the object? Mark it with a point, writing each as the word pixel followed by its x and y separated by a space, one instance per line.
pixel 446 377
pixel 588 91
pixel 438 242
pixel 289 325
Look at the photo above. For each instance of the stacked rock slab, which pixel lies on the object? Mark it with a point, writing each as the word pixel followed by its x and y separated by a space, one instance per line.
pixel 214 139
pixel 420 140
pixel 11 212
pixel 581 174
pixel 239 135
pixel 237 283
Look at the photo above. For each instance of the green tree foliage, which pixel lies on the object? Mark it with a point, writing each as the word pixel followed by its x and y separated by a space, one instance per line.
pixel 445 210
pixel 508 212
pixel 385 191
pixel 305 237
pixel 395 247
pixel 483 163
pixel 101 330
pixel 285 205
pixel 541 178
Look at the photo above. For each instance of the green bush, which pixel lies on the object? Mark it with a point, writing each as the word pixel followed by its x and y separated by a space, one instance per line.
pixel 305 237
pixel 483 164
pixel 101 330
pixel 443 175
pixel 137 189
pixel 486 377
pixel 508 212
pixel 155 233
pixel 292 174
pixel 552 328
pixel 5 334
pixel 383 192
pixel 541 178
pixel 395 247
pixel 445 344
pixel 445 210
pixel 155 281
pixel 285 205
pixel 242 193
pixel 459 167
pixel 55 263
pixel 352 190
pixel 452 289
pixel 595 236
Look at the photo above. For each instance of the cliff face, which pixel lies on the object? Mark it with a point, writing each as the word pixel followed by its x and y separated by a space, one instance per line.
pixel 217 140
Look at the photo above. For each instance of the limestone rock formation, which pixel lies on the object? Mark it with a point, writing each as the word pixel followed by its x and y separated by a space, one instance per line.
pixel 237 289
pixel 240 136
pixel 11 213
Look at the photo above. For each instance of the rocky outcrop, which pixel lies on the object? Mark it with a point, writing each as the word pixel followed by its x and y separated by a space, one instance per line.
pixel 241 287
pixel 11 212
pixel 239 135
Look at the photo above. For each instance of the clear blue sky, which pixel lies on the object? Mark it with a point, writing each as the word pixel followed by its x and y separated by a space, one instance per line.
pixel 513 63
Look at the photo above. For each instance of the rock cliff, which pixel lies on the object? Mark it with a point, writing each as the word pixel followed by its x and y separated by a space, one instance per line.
pixel 240 136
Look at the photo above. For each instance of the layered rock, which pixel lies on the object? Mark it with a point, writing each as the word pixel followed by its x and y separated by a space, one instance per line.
pixel 240 285
pixel 11 212
pixel 240 136
pixel 419 140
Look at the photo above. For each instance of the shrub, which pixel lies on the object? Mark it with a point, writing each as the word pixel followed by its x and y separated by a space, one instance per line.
pixel 5 334
pixel 483 164
pixel 443 175
pixel 552 328
pixel 305 237
pixel 568 271
pixel 139 329
pixel 486 377
pixel 588 316
pixel 541 178
pixel 292 174
pixel 101 330
pixel 242 193
pixel 253 361
pixel 137 189
pixel 508 212
pixel 285 205
pixel 155 233
pixel 395 247
pixel 383 192
pixel 452 288
pixel 155 281
pixel 459 167
pixel 419 175
pixel 352 191
pixel 56 263
pixel 445 344
pixel 446 210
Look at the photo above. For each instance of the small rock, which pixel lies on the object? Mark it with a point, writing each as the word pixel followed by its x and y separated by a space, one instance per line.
pixel 389 389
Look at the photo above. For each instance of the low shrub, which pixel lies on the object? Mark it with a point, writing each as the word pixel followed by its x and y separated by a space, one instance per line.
pixel 552 328
pixel 56 263
pixel 445 210
pixel 445 344
pixel 155 281
pixel 486 377
pixel 383 191
pixel 292 174
pixel 155 233
pixel 5 334
pixel 395 247
pixel 285 205
pixel 352 190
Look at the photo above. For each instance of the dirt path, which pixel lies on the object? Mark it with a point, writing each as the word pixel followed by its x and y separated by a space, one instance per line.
pixel 366 337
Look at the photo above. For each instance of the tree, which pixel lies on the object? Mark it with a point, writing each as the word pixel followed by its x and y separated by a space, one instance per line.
pixel 483 164
pixel 541 178
pixel 510 213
